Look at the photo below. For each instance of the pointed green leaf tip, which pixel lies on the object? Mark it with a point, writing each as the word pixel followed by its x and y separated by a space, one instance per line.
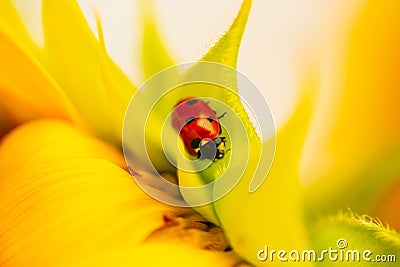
pixel 226 50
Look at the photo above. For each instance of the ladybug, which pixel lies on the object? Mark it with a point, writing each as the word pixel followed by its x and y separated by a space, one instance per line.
pixel 198 126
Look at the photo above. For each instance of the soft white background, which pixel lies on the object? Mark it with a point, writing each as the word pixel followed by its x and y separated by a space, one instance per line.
pixel 280 36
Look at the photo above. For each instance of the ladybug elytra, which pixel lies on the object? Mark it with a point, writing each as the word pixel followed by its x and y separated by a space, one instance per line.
pixel 199 128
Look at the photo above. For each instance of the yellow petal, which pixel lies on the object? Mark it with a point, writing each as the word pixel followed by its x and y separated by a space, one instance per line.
pixel 80 65
pixel 163 255
pixel 356 156
pixel 11 20
pixel 52 139
pixel 66 201
pixel 369 115
pixel 5 123
pixel 27 91
pixel 388 207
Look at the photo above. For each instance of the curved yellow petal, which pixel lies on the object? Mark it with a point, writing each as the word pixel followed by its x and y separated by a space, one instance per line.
pixel 5 123
pixel 11 20
pixel 163 255
pixel 359 157
pixel 369 116
pixel 66 201
pixel 27 91
pixel 95 85
pixel 52 139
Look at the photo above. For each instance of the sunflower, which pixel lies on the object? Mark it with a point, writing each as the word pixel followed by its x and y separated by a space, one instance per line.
pixel 67 197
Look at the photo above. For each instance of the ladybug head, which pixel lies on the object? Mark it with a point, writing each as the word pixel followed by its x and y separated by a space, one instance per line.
pixel 213 149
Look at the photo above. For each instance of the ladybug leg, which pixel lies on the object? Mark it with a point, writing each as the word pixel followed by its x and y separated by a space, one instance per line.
pixel 220 145
pixel 222 115
pixel 224 140
pixel 220 154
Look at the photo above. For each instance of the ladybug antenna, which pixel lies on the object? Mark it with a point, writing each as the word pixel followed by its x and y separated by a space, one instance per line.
pixel 221 116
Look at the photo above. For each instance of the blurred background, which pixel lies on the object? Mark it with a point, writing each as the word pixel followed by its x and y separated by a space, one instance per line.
pixel 279 38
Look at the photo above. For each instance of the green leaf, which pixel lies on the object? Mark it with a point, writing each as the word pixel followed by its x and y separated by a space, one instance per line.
pixel 225 51
pixel 352 235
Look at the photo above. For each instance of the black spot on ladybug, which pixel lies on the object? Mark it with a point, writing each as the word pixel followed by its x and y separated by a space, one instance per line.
pixel 191 102
pixel 195 143
pixel 189 120
pixel 210 119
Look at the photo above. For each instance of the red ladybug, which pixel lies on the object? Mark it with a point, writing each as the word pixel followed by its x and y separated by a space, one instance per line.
pixel 199 128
